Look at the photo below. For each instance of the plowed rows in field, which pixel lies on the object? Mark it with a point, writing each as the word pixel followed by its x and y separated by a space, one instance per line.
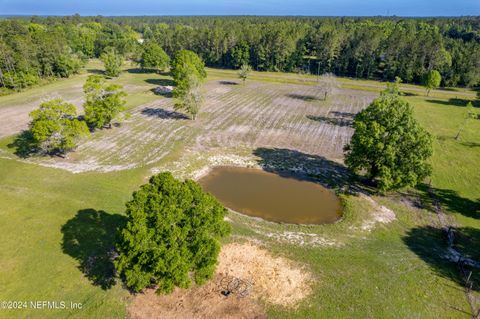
pixel 250 116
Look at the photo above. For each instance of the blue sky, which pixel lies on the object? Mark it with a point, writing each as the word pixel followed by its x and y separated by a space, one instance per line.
pixel 243 7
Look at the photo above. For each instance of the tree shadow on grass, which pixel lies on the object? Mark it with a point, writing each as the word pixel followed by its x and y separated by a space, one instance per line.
pixel 95 71
pixel 304 97
pixel 454 102
pixel 145 71
pixel 89 237
pixel 164 114
pixel 451 201
pixel 471 144
pixel 467 241
pixel 430 244
pixel 137 71
pixel 302 166
pixel 161 82
pixel 23 145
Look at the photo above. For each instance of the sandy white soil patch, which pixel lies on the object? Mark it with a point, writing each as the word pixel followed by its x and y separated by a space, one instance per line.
pixel 257 115
pixel 378 214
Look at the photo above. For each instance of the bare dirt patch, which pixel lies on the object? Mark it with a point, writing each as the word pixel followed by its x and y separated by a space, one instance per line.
pixel 256 115
pixel 378 214
pixel 198 302
pixel 274 280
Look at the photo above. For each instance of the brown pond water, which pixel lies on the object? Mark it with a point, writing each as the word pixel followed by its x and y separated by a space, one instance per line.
pixel 272 197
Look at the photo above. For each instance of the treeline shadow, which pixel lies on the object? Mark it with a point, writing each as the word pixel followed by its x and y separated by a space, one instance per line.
pixel 450 200
pixel 302 166
pixel 163 114
pixel 23 145
pixel 430 244
pixel 89 237
pixel 455 102
pixel 304 97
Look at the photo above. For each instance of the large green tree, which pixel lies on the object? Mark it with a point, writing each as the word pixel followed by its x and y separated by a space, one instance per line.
pixel 55 128
pixel 389 145
pixel 104 102
pixel 432 80
pixel 112 62
pixel 188 71
pixel 185 65
pixel 172 235
pixel 153 57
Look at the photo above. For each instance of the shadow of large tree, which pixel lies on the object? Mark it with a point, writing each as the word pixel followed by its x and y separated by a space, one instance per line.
pixel 430 244
pixel 89 237
pixel 23 145
pixel 454 102
pixel 302 166
pixel 164 114
pixel 336 121
pixel 303 97
pixel 451 201
pixel 163 82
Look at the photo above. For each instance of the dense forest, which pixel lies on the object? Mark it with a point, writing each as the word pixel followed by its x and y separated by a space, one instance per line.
pixel 35 48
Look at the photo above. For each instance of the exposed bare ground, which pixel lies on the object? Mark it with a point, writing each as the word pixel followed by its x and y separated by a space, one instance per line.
pixel 15 118
pixel 251 116
pixel 378 214
pixel 275 280
pixel 203 302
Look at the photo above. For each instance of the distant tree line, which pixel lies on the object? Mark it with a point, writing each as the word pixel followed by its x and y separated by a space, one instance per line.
pixel 376 48
pixel 32 50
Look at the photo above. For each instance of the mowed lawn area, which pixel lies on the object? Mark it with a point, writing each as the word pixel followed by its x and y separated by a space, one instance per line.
pixel 57 226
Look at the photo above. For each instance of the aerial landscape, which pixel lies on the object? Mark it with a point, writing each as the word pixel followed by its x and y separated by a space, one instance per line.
pixel 239 159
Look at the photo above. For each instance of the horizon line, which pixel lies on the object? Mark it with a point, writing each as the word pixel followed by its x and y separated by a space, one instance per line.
pixel 238 15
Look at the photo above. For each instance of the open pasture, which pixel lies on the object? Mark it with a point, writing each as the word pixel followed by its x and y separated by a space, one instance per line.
pixel 383 259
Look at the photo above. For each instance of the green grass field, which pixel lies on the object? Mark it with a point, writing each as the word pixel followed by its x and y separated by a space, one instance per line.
pixel 53 221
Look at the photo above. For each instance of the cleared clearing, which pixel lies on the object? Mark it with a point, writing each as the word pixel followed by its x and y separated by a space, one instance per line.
pixel 234 116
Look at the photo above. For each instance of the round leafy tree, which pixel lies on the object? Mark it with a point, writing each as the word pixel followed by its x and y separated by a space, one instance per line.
pixel 112 62
pixel 172 235
pixel 153 57
pixel 432 80
pixel 389 145
pixel 187 67
pixel 55 128
pixel 188 71
pixel 104 102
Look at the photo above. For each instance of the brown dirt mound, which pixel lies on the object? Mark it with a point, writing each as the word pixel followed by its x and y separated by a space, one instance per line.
pixel 275 280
